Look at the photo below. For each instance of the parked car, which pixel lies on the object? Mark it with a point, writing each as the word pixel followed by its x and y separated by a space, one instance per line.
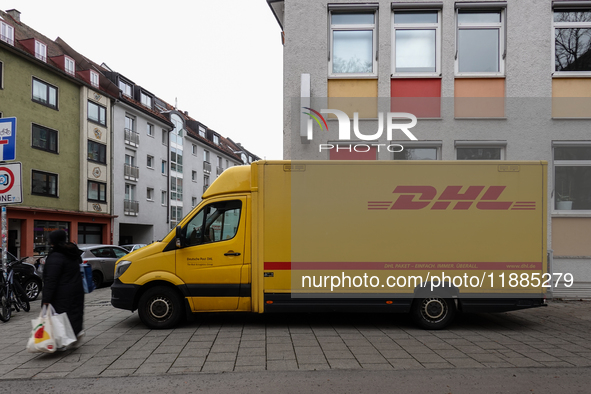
pixel 102 259
pixel 132 247
pixel 27 276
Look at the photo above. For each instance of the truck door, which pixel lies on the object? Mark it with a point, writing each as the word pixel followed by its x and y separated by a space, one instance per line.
pixel 210 261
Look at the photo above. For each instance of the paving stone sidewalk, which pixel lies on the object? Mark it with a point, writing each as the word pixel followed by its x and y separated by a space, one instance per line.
pixel 117 344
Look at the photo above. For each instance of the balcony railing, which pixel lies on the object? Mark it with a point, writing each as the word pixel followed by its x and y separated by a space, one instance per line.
pixel 219 170
pixel 131 137
pixel 131 172
pixel 7 39
pixel 131 208
pixel 206 167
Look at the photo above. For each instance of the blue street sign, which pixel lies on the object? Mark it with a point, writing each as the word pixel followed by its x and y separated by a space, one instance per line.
pixel 7 139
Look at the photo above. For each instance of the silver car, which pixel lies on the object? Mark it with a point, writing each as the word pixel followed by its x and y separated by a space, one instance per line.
pixel 102 259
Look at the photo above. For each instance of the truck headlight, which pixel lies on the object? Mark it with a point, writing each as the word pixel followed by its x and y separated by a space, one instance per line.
pixel 121 267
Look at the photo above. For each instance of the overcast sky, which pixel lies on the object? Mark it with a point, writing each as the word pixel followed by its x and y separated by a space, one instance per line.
pixel 220 60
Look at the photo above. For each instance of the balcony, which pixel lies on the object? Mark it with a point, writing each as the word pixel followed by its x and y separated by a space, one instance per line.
pixel 131 137
pixel 207 167
pixel 219 170
pixel 130 172
pixel 131 208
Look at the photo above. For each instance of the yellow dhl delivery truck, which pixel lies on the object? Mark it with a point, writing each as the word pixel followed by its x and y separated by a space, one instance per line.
pixel 421 237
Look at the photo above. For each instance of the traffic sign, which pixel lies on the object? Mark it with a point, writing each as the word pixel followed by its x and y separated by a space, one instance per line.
pixel 7 139
pixel 11 186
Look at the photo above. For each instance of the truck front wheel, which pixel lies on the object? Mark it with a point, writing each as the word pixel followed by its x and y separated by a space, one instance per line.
pixel 160 307
pixel 433 313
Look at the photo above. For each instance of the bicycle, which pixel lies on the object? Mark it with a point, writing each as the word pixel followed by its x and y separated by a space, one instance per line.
pixel 12 294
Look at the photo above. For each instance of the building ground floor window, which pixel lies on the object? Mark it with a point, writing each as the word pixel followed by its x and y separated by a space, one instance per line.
pixel 89 233
pixel 41 234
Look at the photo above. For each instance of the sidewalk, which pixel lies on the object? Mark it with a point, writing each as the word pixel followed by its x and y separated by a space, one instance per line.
pixel 117 344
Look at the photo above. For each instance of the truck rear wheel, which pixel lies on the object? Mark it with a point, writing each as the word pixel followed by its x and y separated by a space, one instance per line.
pixel 160 307
pixel 433 313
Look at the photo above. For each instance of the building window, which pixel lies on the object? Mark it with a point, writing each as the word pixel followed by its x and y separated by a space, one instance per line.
pixel 146 100
pixel 97 191
pixel 176 188
pixel 150 194
pixel 94 79
pixel 572 177
pixel 164 137
pixel 44 93
pixel 176 159
pixel 6 33
pixel 206 156
pixel 202 131
pixel 150 130
pixel 44 184
pixel 480 150
pixel 216 139
pixel 164 167
pixel 125 88
pixel 176 214
pixel 193 202
pixel 572 40
pixel 69 65
pixel 353 49
pixel 97 152
pixel 44 138
pixel 194 176
pixel 41 231
pixel 40 50
pixel 163 198
pixel 194 149
pixel 150 161
pixel 97 113
pixel 480 42
pixel 176 135
pixel 417 43
pixel 418 151
pixel 89 233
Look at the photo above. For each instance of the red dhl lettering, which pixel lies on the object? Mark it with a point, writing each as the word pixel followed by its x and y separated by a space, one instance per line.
pixel 420 197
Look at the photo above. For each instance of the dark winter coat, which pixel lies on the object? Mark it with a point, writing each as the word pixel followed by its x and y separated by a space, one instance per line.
pixel 62 283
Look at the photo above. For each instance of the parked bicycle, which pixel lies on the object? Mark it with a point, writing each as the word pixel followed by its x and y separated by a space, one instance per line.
pixel 12 294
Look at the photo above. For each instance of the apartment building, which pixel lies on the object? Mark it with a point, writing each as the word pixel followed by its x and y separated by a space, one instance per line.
pixel 494 80
pixel 61 108
pixel 102 157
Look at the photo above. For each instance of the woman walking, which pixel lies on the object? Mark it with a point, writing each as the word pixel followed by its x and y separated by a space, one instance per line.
pixel 62 286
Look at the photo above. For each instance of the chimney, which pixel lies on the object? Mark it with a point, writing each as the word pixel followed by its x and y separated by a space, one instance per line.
pixel 16 14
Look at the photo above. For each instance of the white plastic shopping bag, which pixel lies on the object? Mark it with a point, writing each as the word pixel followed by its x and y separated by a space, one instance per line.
pixel 41 339
pixel 62 329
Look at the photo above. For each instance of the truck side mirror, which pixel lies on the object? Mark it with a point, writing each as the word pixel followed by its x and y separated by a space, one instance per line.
pixel 180 239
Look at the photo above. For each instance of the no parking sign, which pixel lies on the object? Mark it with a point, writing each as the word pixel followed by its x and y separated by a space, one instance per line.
pixel 11 188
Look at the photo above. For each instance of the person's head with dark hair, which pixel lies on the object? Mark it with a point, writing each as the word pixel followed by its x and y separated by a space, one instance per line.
pixel 58 237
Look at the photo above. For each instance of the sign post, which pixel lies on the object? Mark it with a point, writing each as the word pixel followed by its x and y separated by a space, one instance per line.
pixel 10 179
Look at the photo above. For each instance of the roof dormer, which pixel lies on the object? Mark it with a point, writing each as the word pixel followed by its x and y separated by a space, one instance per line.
pixel 6 33
pixel 66 63
pixel 35 47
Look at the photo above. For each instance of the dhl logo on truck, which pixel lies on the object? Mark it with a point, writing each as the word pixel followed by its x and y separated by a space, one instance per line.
pixel 420 197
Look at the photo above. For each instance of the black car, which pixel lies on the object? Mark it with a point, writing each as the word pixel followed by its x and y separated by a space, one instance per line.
pixel 27 276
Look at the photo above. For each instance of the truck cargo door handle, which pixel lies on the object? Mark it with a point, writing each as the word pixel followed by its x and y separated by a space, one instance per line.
pixel 231 253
